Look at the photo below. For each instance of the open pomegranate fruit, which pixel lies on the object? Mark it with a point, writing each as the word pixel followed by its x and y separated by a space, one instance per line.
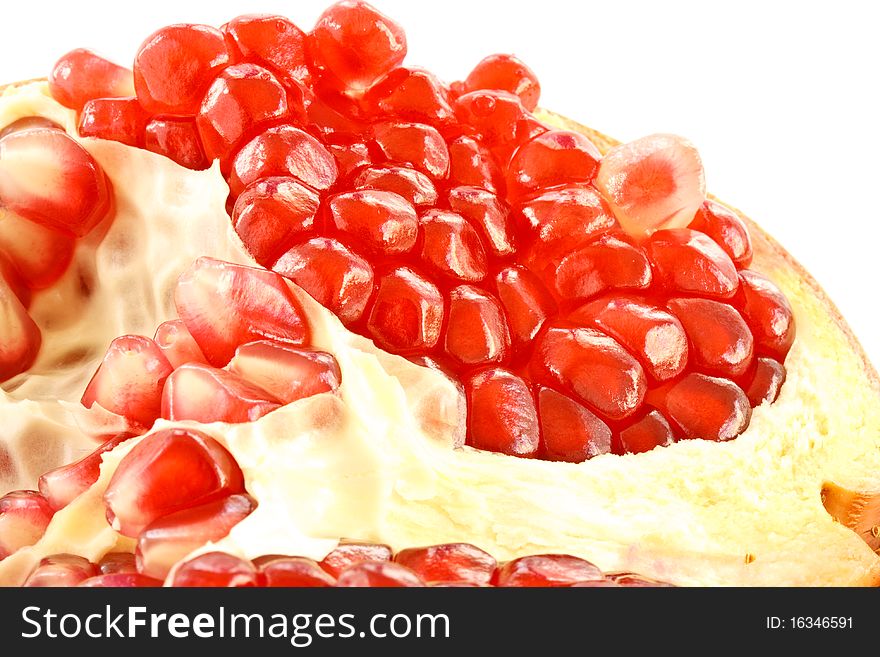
pixel 276 277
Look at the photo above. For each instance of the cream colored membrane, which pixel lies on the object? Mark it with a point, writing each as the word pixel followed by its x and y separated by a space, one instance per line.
pixel 360 466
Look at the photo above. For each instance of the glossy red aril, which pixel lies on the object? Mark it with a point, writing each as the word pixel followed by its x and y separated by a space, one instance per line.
pixel 61 570
pixel 175 65
pixel 501 413
pixel 498 116
pixel 334 275
pixel 170 538
pixel 649 431
pixel 20 337
pixel 81 75
pixel 115 119
pixel 593 366
pixel 383 222
pixel 47 177
pixel 121 580
pixel 350 157
pixel 225 305
pixel 569 431
pixel 350 554
pixel 176 343
pixel 177 139
pixel 476 332
pixel 63 485
pixel 285 372
pixel 488 213
pixel 30 123
pixel 129 380
pixel 690 262
pixel 705 407
pixel 526 302
pixel 608 262
pixel 216 569
pixel 38 254
pixel 721 342
pixel 546 570
pixel 169 470
pixel 117 562
pixel 283 151
pixel 768 314
pixel 24 516
pixel 449 563
pixel 411 93
pixel 356 44
pixel 471 164
pixel 652 183
pixel 451 246
pixel 550 159
pixel 765 382
pixel 412 185
pixel 416 144
pixel 654 335
pixel 271 41
pixel 239 100
pixel 202 393
pixel 727 229
pixel 378 574
pixel 407 312
pixel 506 73
pixel 294 571
pixel 271 213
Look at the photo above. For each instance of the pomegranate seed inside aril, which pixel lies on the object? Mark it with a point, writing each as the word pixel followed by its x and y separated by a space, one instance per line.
pixel 765 382
pixel 350 554
pixel 451 246
pixel 650 431
pixel 690 262
pixel 62 485
pixel 501 413
pixel 117 562
pixel 24 516
pixel 383 222
pixel 570 432
pixel 506 73
pixel 488 213
pixel 705 407
pixel 80 75
pixel 217 570
pixel 407 312
pixel 39 255
pixel 727 229
pixel 20 337
pixel 412 185
pixel 608 262
pixel 270 41
pixel 552 158
pixel 471 164
pixel 294 571
pixel 546 570
pixel 449 563
pixel 378 574
pixel 720 339
pixel 411 93
pixel 61 570
pixel 115 119
pixel 768 313
pixel 477 332
pixel 175 341
pixel 176 139
pixel 526 302
pixel 413 143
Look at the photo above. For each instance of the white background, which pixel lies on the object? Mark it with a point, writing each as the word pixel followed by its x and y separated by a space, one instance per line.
pixel 780 97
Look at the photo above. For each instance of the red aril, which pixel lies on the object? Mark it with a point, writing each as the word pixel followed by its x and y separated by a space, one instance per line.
pixel 501 413
pixel 177 139
pixel 378 574
pixel 407 313
pixel 569 431
pixel 498 116
pixel 60 570
pixel 765 382
pixel 24 516
pixel 768 314
pixel 10 279
pixel 271 213
pixel 356 44
pixel 20 337
pixel 283 151
pixel 690 262
pixel 121 580
pixel 176 343
pixel 721 342
pixel 607 263
pixel 30 123
pixel 654 335
pixel 294 571
pixel 451 246
pixel 170 538
pixel 81 75
pixel 285 372
pixel 526 302
pixel 476 332
pixel 593 366
pixel 47 177
pixel 335 276
pixel 411 93
pixel 218 570
pixel 63 485
pixel 383 222
pixel 270 41
pixel 202 393
pixel 471 164
pixel 114 119
pixel 506 73
pixel 352 553
pixel 114 563
pixel 412 185
pixel 644 434
pixel 543 570
pixel 416 144
pixel 39 255
pixel 550 159
pixel 175 65
pixel 727 230
pixel 350 157
pixel 704 407
pixel 129 380
pixel 239 100
pixel 225 305
pixel 167 471
pixel 652 183
pixel 449 563
pixel 488 213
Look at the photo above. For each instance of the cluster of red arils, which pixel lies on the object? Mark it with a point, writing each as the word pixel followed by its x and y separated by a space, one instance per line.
pixel 586 304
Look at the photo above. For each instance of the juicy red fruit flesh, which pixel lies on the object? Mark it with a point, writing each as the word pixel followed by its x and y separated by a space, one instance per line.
pixel 81 75
pixel 24 516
